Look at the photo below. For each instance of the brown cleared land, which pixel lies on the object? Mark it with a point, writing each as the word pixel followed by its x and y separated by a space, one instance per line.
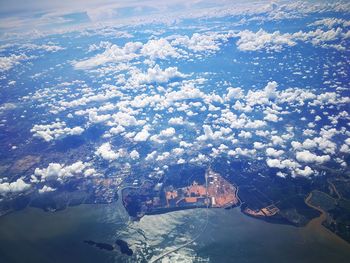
pixel 195 189
pixel 217 193
pixel 220 191
pixel 25 163
pixel 270 210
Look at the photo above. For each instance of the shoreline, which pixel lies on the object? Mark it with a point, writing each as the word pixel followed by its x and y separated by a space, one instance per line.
pixel 317 223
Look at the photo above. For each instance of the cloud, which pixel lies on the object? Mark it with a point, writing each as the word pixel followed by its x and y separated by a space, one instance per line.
pixel 142 136
pixel 277 140
pixel 307 171
pixel 105 92
pixel 101 13
pixel 134 155
pixel 275 163
pixel 33 17
pixel 250 41
pixel 209 134
pixel 178 151
pixel 186 92
pixel 308 157
pixel 55 131
pixel 95 118
pixel 245 134
pixel 90 172
pixel 322 143
pixel 244 152
pixel 46 189
pixel 345 148
pixel 282 164
pixel 154 49
pixel 176 120
pixel 105 152
pixel 258 145
pixel 169 132
pixel 200 158
pixel 271 117
pixel 7 106
pixel 271 152
pixel 17 186
pixel 265 96
pixel 61 172
pixel 151 156
pixel 112 53
pixel 200 42
pixel 159 48
pixel 147 100
pixel 155 74
pixel 124 119
pixel 46 47
pixel 331 22
pixel 239 106
pixel 163 156
pixel 6 63
pixel 234 93
pixel 117 130
pixel 276 41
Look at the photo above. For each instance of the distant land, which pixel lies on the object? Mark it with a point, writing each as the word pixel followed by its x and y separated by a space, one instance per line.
pixel 245 183
pixel 226 185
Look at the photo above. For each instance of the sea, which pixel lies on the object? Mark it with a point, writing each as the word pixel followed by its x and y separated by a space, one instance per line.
pixel 194 235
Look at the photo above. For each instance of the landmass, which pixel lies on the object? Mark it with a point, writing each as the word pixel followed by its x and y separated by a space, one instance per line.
pixel 211 191
pixel 244 183
pixel 75 192
pixel 258 196
pixel 335 209
pixel 121 244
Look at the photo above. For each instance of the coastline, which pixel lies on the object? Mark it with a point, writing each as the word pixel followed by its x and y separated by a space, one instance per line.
pixel 317 223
